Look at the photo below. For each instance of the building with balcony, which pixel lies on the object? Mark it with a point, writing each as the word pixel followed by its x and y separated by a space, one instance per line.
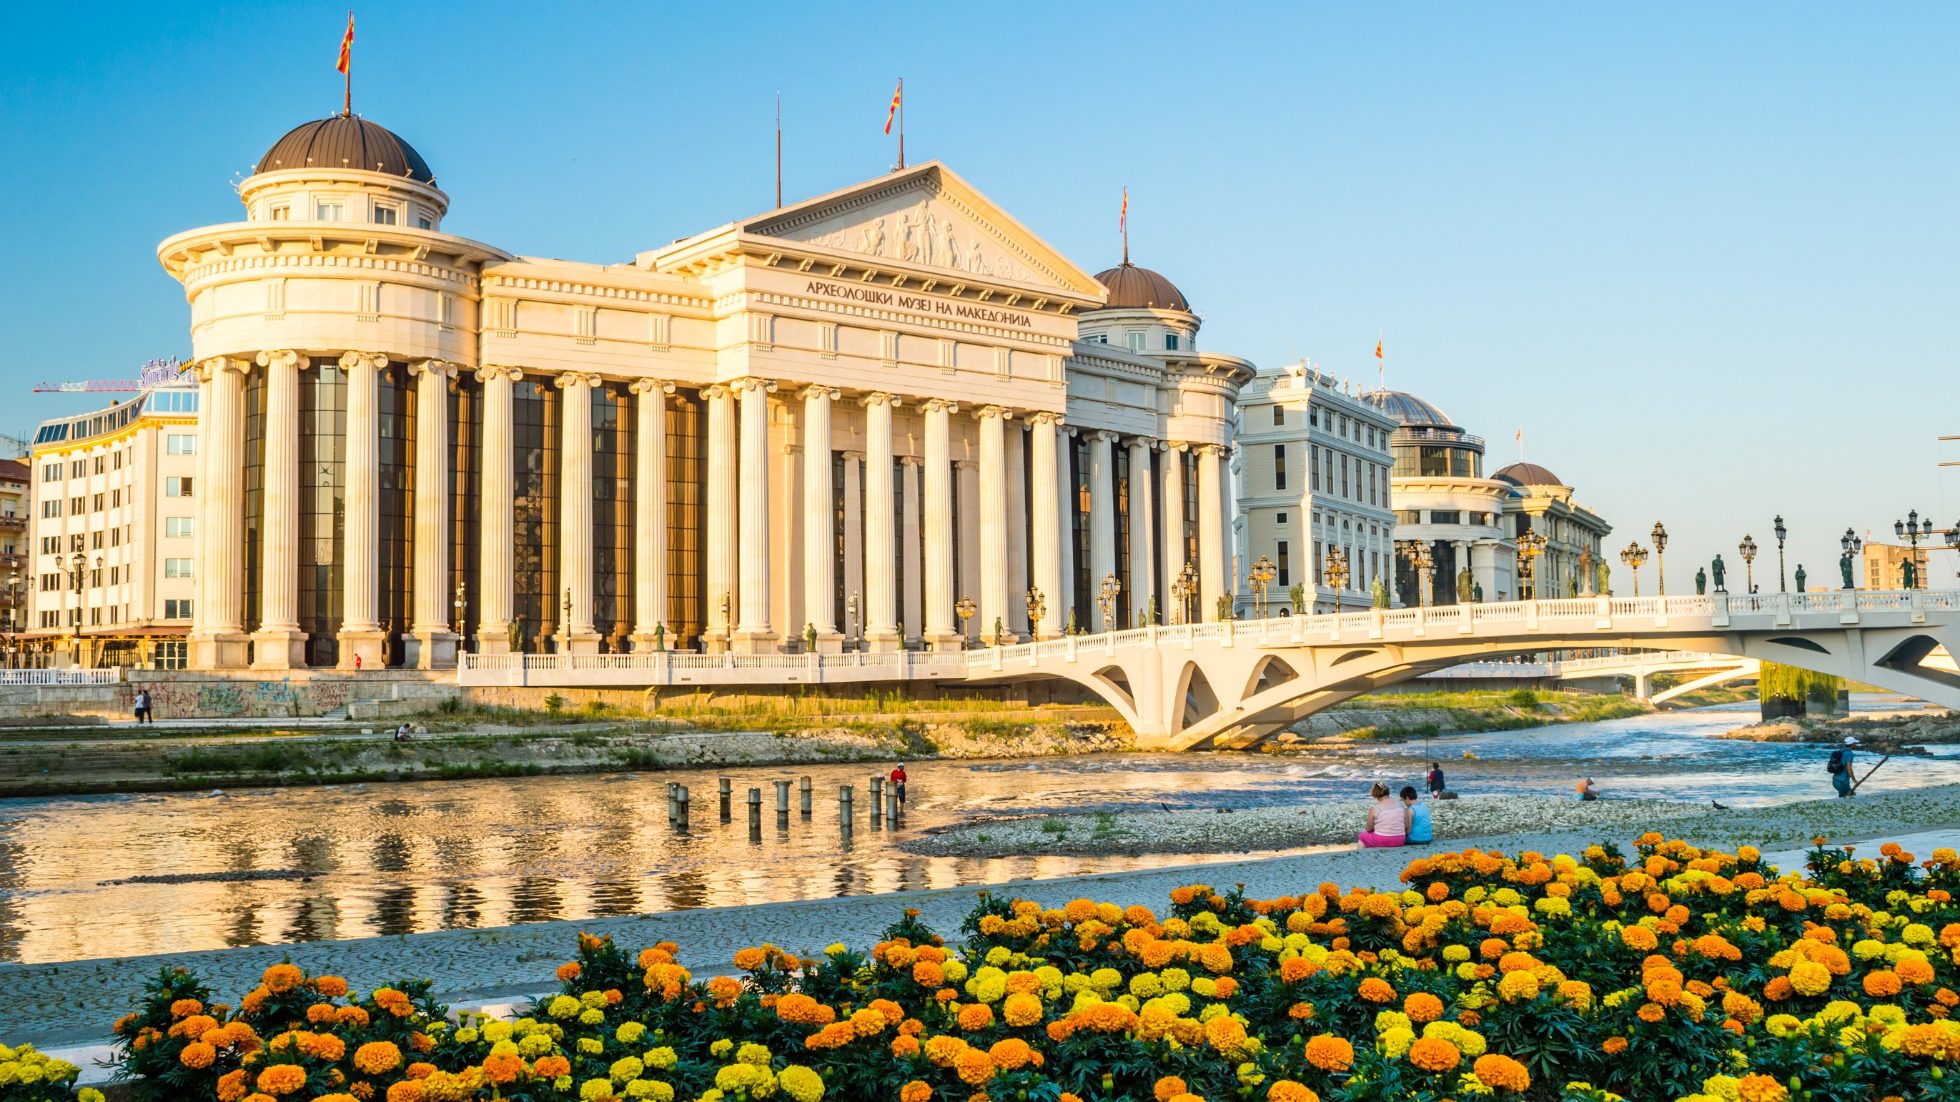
pixel 1312 472
pixel 887 417
pixel 110 565
pixel 1575 536
pixel 1446 505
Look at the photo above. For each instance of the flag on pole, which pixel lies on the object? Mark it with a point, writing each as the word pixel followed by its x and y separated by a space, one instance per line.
pixel 1123 219
pixel 892 113
pixel 346 46
pixel 1378 348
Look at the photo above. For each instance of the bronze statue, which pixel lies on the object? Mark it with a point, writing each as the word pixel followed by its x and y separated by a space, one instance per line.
pixel 1910 572
pixel 660 636
pixel 517 635
pixel 1844 568
pixel 1800 577
pixel 1701 581
pixel 1378 592
pixel 1464 584
pixel 1721 574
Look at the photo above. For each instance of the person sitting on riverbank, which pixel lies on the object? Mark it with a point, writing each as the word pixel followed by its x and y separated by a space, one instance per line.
pixel 1420 833
pixel 1388 824
pixel 1587 790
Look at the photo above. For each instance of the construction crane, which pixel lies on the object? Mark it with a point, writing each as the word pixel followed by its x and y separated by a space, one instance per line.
pixel 154 373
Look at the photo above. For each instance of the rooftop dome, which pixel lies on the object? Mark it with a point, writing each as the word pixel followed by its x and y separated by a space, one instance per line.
pixel 1408 409
pixel 346 141
pixel 1528 474
pixel 1134 288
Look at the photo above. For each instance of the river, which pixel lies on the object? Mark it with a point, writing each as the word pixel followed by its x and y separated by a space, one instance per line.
pixel 359 860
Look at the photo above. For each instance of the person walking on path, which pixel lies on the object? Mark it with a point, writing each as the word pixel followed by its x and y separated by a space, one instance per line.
pixel 1388 823
pixel 1420 832
pixel 142 707
pixel 897 779
pixel 1839 767
pixel 1437 786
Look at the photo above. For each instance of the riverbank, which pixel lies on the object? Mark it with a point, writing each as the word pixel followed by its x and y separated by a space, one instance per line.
pixel 1399 716
pixel 1270 829
pixel 1906 727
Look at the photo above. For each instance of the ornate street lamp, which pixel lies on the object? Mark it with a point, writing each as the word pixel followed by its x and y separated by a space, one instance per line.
pixel 851 619
pixel 13 616
pixel 1530 546
pixel 1852 545
pixel 1037 608
pixel 459 604
pixel 1659 536
pixel 1912 530
pixel 1181 587
pixel 1782 585
pixel 964 608
pixel 1107 600
pixel 727 615
pixel 1633 556
pixel 1337 573
pixel 1953 542
pixel 1747 549
pixel 1261 575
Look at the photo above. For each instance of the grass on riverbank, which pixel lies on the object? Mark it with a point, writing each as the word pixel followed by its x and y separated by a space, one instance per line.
pixel 1444 713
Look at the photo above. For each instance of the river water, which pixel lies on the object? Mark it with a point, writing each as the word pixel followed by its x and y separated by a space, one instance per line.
pixel 402 858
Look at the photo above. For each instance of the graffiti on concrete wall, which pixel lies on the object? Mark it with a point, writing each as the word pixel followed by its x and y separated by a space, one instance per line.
pixel 242 699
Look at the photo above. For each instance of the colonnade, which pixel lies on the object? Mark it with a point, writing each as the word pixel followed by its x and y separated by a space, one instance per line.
pixel 741 608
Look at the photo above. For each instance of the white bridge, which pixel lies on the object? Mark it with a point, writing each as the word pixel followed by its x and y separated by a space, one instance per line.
pixel 1234 683
pixel 1640 665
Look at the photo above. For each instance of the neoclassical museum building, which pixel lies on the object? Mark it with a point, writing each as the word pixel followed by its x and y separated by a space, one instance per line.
pixel 887 417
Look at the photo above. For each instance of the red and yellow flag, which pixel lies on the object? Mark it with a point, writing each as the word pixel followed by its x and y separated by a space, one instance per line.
pixel 346 45
pixel 1378 349
pixel 1123 219
pixel 892 113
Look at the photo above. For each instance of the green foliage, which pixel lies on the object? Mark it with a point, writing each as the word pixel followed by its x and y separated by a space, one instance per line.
pixel 1776 680
pixel 554 703
pixel 1522 698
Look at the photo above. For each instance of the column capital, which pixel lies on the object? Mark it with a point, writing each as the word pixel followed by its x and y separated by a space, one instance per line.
pixel 718 390
pixel 817 391
pixel 880 398
pixel 372 360
pixel 648 386
pixel 909 461
pixel 986 412
pixel 565 380
pixel 1218 450
pixel 280 358
pixel 1147 443
pixel 1102 436
pixel 441 369
pixel 1172 446
pixel 965 465
pixel 854 457
pixel 492 372
pixel 211 368
pixel 939 405
pixel 753 385
pixel 1045 417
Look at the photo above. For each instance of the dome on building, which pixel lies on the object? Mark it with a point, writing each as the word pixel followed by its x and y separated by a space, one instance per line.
pixel 1410 410
pixel 1528 474
pixel 346 141
pixel 1134 288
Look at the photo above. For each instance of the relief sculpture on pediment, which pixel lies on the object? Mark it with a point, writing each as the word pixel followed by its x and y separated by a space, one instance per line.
pixel 926 233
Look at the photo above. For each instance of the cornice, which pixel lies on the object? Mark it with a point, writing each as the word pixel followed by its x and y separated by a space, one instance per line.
pixel 281 264
pixel 496 283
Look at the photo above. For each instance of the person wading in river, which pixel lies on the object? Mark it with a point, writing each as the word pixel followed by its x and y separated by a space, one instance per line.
pixel 1839 767
pixel 1437 786
pixel 897 780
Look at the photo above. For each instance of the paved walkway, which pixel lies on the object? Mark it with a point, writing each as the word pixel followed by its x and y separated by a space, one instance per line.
pixel 75 1001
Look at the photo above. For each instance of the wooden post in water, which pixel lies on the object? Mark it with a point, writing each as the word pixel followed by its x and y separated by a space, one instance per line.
pixel 727 796
pixel 892 805
pixel 755 812
pixel 681 819
pixel 844 796
pixel 803 795
pixel 782 797
pixel 673 801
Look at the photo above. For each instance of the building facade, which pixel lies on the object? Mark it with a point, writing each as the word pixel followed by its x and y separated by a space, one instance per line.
pixel 16 505
pixel 1575 536
pixel 848 422
pixel 112 559
pixel 1313 478
pixel 1446 505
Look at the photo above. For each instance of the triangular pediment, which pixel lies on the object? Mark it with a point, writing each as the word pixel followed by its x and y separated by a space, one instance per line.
pixel 927 217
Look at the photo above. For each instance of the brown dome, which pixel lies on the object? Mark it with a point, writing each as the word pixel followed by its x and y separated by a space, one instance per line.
pixel 1134 288
pixel 1528 474
pixel 346 141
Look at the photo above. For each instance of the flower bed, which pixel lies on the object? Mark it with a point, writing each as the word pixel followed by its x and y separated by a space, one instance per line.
pixel 1680 974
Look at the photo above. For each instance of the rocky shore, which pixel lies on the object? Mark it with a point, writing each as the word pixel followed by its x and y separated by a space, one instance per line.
pixel 1490 819
pixel 1892 730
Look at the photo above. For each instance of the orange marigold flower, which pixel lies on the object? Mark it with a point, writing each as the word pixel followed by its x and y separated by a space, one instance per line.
pixel 377 1057
pixel 1613 1046
pixel 197 1054
pixel 394 1002
pixel 1376 990
pixel 904 1046
pixel 1225 1034
pixel 1286 1090
pixel 1330 1053
pixel 551 1067
pixel 1502 1072
pixel 1650 1013
pixel 281 1078
pixel 1434 1054
pixel 1881 984
pixel 1422 1007
pixel 976 1016
pixel 569 971
pixel 281 978
pixel 915 1091
pixel 974 1066
pixel 231 1085
pixel 1760 1088
pixel 332 987
pixel 184 1008
pixel 1169 1087
pixel 406 1092
pixel 1914 971
pixel 750 959
pixel 1021 1010
pixel 503 1069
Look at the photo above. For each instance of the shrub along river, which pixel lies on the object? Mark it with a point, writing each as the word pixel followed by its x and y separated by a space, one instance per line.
pixel 97 876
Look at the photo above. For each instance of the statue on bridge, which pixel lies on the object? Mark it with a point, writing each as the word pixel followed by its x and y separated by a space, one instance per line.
pixel 1800 578
pixel 1378 592
pixel 1465 586
pixel 1909 570
pixel 1721 573
pixel 1844 568
pixel 1605 578
pixel 1701 581
pixel 1586 570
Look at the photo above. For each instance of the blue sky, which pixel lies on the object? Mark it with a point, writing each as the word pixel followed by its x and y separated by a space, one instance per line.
pixel 1705 256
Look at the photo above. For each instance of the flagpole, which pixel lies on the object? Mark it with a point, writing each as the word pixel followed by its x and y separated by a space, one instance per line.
pixel 347 94
pixel 779 150
pixel 901 123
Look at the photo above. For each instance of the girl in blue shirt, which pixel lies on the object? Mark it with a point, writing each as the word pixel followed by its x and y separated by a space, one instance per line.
pixel 1420 833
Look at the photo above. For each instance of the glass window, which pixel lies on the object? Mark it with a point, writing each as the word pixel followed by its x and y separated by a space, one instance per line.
pixel 1445 516
pixel 423 223
pixel 177 568
pixel 1283 564
pixel 281 212
pixel 177 486
pixel 1170 341
pixel 1136 341
pixel 1279 466
pixel 385 214
pixel 1279 415
pixel 327 212
pixel 175 609
pixel 180 443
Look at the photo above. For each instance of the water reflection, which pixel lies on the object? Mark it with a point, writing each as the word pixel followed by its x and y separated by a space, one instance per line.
pixel 439 855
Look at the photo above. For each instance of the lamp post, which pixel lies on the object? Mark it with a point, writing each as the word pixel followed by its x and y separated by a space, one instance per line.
pixel 1037 608
pixel 565 620
pixel 1530 546
pixel 1852 546
pixel 1659 536
pixel 1953 542
pixel 1633 556
pixel 1106 599
pixel 1747 549
pixel 964 608
pixel 1782 584
pixel 851 619
pixel 1912 530
pixel 460 603
pixel 727 616
pixel 1336 573
pixel 1261 575
pixel 13 617
pixel 77 563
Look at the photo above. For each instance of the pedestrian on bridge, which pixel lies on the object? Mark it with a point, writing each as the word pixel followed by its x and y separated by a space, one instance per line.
pixel 1388 821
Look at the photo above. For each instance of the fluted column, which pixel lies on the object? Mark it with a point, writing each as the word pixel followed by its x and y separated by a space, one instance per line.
pixel 819 562
pixel 278 644
pixel 719 547
pixel 1143 572
pixel 495 583
pixel 940 630
pixel 220 641
pixel 650 516
pixel 1065 487
pixel 1045 512
pixel 853 625
pixel 966 541
pixel 880 598
pixel 1016 512
pixel 431 644
pixel 200 533
pixel 992 560
pixel 1172 523
pixel 1214 572
pixel 577 635
pixel 1102 524
pixel 911 597
pixel 753 631
pixel 360 625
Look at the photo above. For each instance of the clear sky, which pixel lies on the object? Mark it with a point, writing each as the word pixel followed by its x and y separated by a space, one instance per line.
pixel 1705 256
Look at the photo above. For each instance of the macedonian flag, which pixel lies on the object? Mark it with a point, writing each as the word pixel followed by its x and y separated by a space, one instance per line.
pixel 889 115
pixel 346 45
